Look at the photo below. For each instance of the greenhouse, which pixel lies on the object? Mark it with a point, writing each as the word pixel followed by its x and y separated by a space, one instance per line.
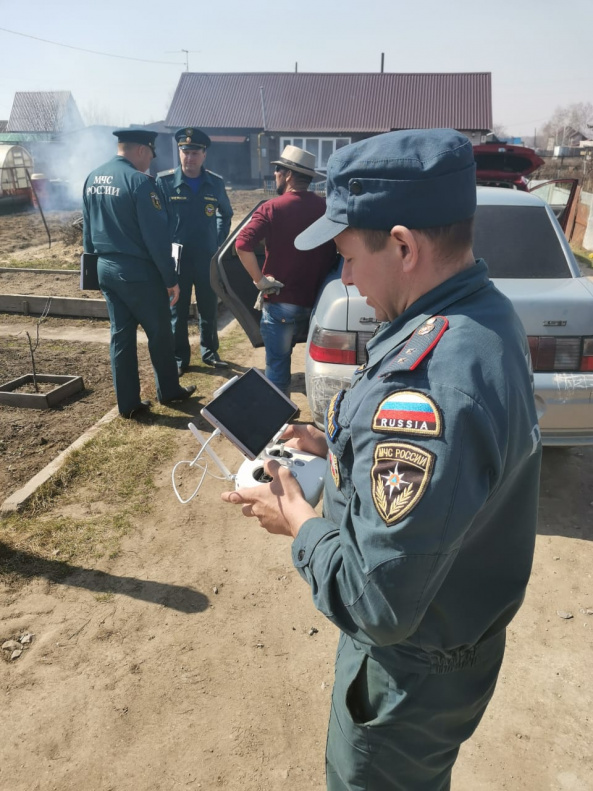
pixel 15 187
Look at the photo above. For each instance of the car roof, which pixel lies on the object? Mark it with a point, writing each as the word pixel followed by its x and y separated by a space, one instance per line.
pixel 502 196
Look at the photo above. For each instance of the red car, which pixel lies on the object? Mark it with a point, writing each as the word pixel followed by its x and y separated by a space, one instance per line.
pixel 507 165
pixel 504 165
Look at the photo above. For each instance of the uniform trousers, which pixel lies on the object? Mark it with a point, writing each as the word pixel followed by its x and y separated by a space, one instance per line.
pixel 131 303
pixel 196 276
pixel 400 730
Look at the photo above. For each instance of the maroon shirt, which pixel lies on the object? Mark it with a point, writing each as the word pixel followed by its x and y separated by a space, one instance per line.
pixel 279 221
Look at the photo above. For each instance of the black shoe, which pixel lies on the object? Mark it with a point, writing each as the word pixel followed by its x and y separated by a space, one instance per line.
pixel 133 413
pixel 183 395
pixel 215 362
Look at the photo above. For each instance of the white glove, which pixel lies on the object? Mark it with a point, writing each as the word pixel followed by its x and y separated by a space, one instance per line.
pixel 267 285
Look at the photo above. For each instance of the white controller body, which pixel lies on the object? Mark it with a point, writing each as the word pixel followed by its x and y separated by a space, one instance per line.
pixel 309 470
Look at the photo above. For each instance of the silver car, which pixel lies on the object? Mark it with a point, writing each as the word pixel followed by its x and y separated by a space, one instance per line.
pixel 529 259
pixel 531 262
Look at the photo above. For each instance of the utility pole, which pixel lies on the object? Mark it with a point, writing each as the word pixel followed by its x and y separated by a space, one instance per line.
pixel 187 53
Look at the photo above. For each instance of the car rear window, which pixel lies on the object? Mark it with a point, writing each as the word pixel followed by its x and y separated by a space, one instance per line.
pixel 518 241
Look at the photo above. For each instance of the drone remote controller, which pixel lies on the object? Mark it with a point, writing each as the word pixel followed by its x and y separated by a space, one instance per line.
pixel 309 470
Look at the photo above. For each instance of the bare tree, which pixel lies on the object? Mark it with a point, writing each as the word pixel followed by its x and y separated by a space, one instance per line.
pixel 95 115
pixel 33 346
pixel 500 131
pixel 577 116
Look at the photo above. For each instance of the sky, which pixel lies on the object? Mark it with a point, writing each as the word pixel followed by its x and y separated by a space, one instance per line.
pixel 538 51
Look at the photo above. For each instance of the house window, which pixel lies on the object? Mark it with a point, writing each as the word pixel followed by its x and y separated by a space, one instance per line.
pixel 321 147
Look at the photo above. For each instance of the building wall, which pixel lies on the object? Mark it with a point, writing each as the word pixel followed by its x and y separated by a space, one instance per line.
pixel 248 164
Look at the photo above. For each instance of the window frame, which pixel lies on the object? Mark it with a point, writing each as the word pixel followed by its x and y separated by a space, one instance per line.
pixel 302 141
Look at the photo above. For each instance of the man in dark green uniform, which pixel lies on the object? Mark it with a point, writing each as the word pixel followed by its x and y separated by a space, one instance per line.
pixel 424 549
pixel 200 218
pixel 126 225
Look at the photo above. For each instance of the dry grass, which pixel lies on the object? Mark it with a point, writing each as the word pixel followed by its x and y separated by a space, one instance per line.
pixel 584 257
pixel 84 511
pixel 40 263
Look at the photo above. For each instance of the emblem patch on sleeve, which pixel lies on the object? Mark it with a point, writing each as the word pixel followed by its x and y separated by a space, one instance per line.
pixel 334 468
pixel 209 210
pixel 333 410
pixel 155 201
pixel 409 412
pixel 399 477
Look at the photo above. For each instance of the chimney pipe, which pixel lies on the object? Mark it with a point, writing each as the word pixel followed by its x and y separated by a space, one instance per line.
pixel 382 61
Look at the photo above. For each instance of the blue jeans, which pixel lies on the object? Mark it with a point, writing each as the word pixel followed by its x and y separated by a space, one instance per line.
pixel 281 324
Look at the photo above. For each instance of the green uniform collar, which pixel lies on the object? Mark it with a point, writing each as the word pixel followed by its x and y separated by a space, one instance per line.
pixel 178 179
pixel 430 304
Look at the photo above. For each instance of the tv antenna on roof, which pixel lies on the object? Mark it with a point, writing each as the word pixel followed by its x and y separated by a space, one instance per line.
pixel 187 54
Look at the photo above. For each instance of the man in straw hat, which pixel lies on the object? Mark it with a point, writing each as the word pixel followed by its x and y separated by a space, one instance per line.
pixel 289 279
pixel 424 549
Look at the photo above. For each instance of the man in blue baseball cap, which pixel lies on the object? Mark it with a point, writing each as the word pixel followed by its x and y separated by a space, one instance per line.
pixel 424 549
pixel 200 218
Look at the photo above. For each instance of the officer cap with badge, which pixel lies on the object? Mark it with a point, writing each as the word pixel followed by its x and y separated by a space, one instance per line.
pixel 189 138
pixel 419 178
pixel 133 135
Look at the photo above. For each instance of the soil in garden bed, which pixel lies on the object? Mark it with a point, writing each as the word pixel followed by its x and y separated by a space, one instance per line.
pixel 30 438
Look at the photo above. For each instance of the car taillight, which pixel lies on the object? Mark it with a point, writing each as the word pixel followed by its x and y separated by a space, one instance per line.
pixel 333 346
pixel 336 346
pixel 561 354
pixel 587 359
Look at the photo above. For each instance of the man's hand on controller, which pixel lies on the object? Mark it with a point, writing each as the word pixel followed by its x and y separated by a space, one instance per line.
pixel 279 506
pixel 306 438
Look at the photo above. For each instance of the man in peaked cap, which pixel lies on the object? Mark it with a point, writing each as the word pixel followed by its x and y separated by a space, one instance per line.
pixel 424 549
pixel 126 226
pixel 200 218
pixel 289 279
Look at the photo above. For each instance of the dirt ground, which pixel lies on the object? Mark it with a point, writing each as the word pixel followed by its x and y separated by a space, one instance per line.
pixel 23 230
pixel 191 661
pixel 31 438
pixel 188 662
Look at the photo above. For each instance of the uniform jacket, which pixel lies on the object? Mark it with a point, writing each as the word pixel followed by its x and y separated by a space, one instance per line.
pixel 425 546
pixel 199 222
pixel 125 221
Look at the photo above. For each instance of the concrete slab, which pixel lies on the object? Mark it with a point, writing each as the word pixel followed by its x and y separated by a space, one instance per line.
pixel 16 269
pixel 60 306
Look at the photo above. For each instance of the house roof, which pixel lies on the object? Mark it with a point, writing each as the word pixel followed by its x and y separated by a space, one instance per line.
pixel 44 111
pixel 365 103
pixel 3 126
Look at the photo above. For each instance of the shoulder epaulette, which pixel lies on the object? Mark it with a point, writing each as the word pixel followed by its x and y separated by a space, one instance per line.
pixel 166 172
pixel 216 175
pixel 418 346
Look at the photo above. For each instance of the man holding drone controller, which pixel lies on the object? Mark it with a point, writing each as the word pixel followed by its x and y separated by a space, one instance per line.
pixel 424 549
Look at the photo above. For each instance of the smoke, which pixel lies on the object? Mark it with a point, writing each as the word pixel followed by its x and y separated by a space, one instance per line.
pixel 64 165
